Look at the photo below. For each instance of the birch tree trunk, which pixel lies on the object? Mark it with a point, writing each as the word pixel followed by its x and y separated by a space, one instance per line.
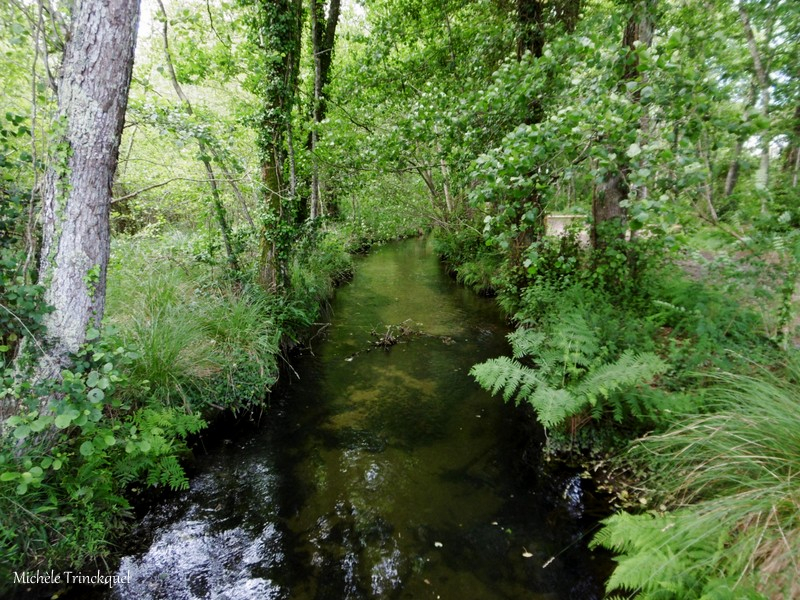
pixel 762 77
pixel 92 98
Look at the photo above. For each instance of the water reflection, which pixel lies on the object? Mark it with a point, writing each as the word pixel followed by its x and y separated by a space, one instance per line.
pixel 387 474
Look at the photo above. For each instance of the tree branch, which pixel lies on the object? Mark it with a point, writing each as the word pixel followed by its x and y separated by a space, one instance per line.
pixel 167 182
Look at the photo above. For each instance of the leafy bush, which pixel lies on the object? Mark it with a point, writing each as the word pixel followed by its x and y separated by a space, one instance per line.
pixel 319 262
pixel 21 304
pixel 466 254
pixel 71 450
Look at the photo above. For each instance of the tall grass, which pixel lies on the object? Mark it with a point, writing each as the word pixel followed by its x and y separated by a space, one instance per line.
pixel 200 340
pixel 733 482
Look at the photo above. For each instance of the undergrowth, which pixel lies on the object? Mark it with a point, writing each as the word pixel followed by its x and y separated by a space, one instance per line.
pixel 729 520
pixel 466 256
pixel 614 344
pixel 183 338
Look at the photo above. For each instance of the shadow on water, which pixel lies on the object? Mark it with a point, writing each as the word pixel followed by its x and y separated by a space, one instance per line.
pixel 382 474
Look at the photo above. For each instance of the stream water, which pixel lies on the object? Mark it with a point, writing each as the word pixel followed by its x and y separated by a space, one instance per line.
pixel 380 474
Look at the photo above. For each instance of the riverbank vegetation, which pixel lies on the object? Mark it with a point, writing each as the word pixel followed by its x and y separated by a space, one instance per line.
pixel 621 174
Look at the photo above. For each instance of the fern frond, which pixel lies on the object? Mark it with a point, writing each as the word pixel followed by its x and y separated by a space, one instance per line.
pixel 628 370
pixel 554 406
pixel 575 338
pixel 505 374
pixel 526 342
pixel 634 571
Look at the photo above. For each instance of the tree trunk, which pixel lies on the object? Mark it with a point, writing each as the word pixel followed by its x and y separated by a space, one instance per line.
pixel 708 188
pixel 608 196
pixel 270 263
pixel 316 38
pixel 733 168
pixel 322 40
pixel 606 206
pixel 92 98
pixel 277 29
pixel 530 19
pixel 762 76
pixel 530 41
pixel 793 154
pixel 326 55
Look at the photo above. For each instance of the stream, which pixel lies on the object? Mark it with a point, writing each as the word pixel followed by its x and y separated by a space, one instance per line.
pixel 378 473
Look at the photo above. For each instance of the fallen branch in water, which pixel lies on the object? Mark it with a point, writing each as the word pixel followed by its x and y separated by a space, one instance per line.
pixel 397 334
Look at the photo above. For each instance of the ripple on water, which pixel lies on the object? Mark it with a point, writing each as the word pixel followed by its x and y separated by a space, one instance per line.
pixel 187 562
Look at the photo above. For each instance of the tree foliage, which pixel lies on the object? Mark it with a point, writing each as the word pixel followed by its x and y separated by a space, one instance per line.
pixel 266 138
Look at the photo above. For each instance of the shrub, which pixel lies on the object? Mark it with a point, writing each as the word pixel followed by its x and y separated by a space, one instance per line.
pixel 64 468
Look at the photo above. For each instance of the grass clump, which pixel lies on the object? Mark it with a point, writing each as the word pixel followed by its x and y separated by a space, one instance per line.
pixel 200 340
pixel 465 255
pixel 730 481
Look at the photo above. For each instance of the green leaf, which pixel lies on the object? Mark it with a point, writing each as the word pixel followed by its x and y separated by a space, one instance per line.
pixel 39 424
pixel 22 431
pixel 87 448
pixel 96 395
pixel 63 421
pixel 9 476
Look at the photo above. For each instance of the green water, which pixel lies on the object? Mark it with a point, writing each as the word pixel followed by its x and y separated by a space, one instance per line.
pixel 381 473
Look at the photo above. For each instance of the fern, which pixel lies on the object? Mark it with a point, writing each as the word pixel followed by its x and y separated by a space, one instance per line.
pixel 575 338
pixel 168 472
pixel 157 439
pixel 554 406
pixel 648 562
pixel 514 379
pixel 668 556
pixel 526 342
pixel 733 472
pixel 569 373
pixel 628 370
